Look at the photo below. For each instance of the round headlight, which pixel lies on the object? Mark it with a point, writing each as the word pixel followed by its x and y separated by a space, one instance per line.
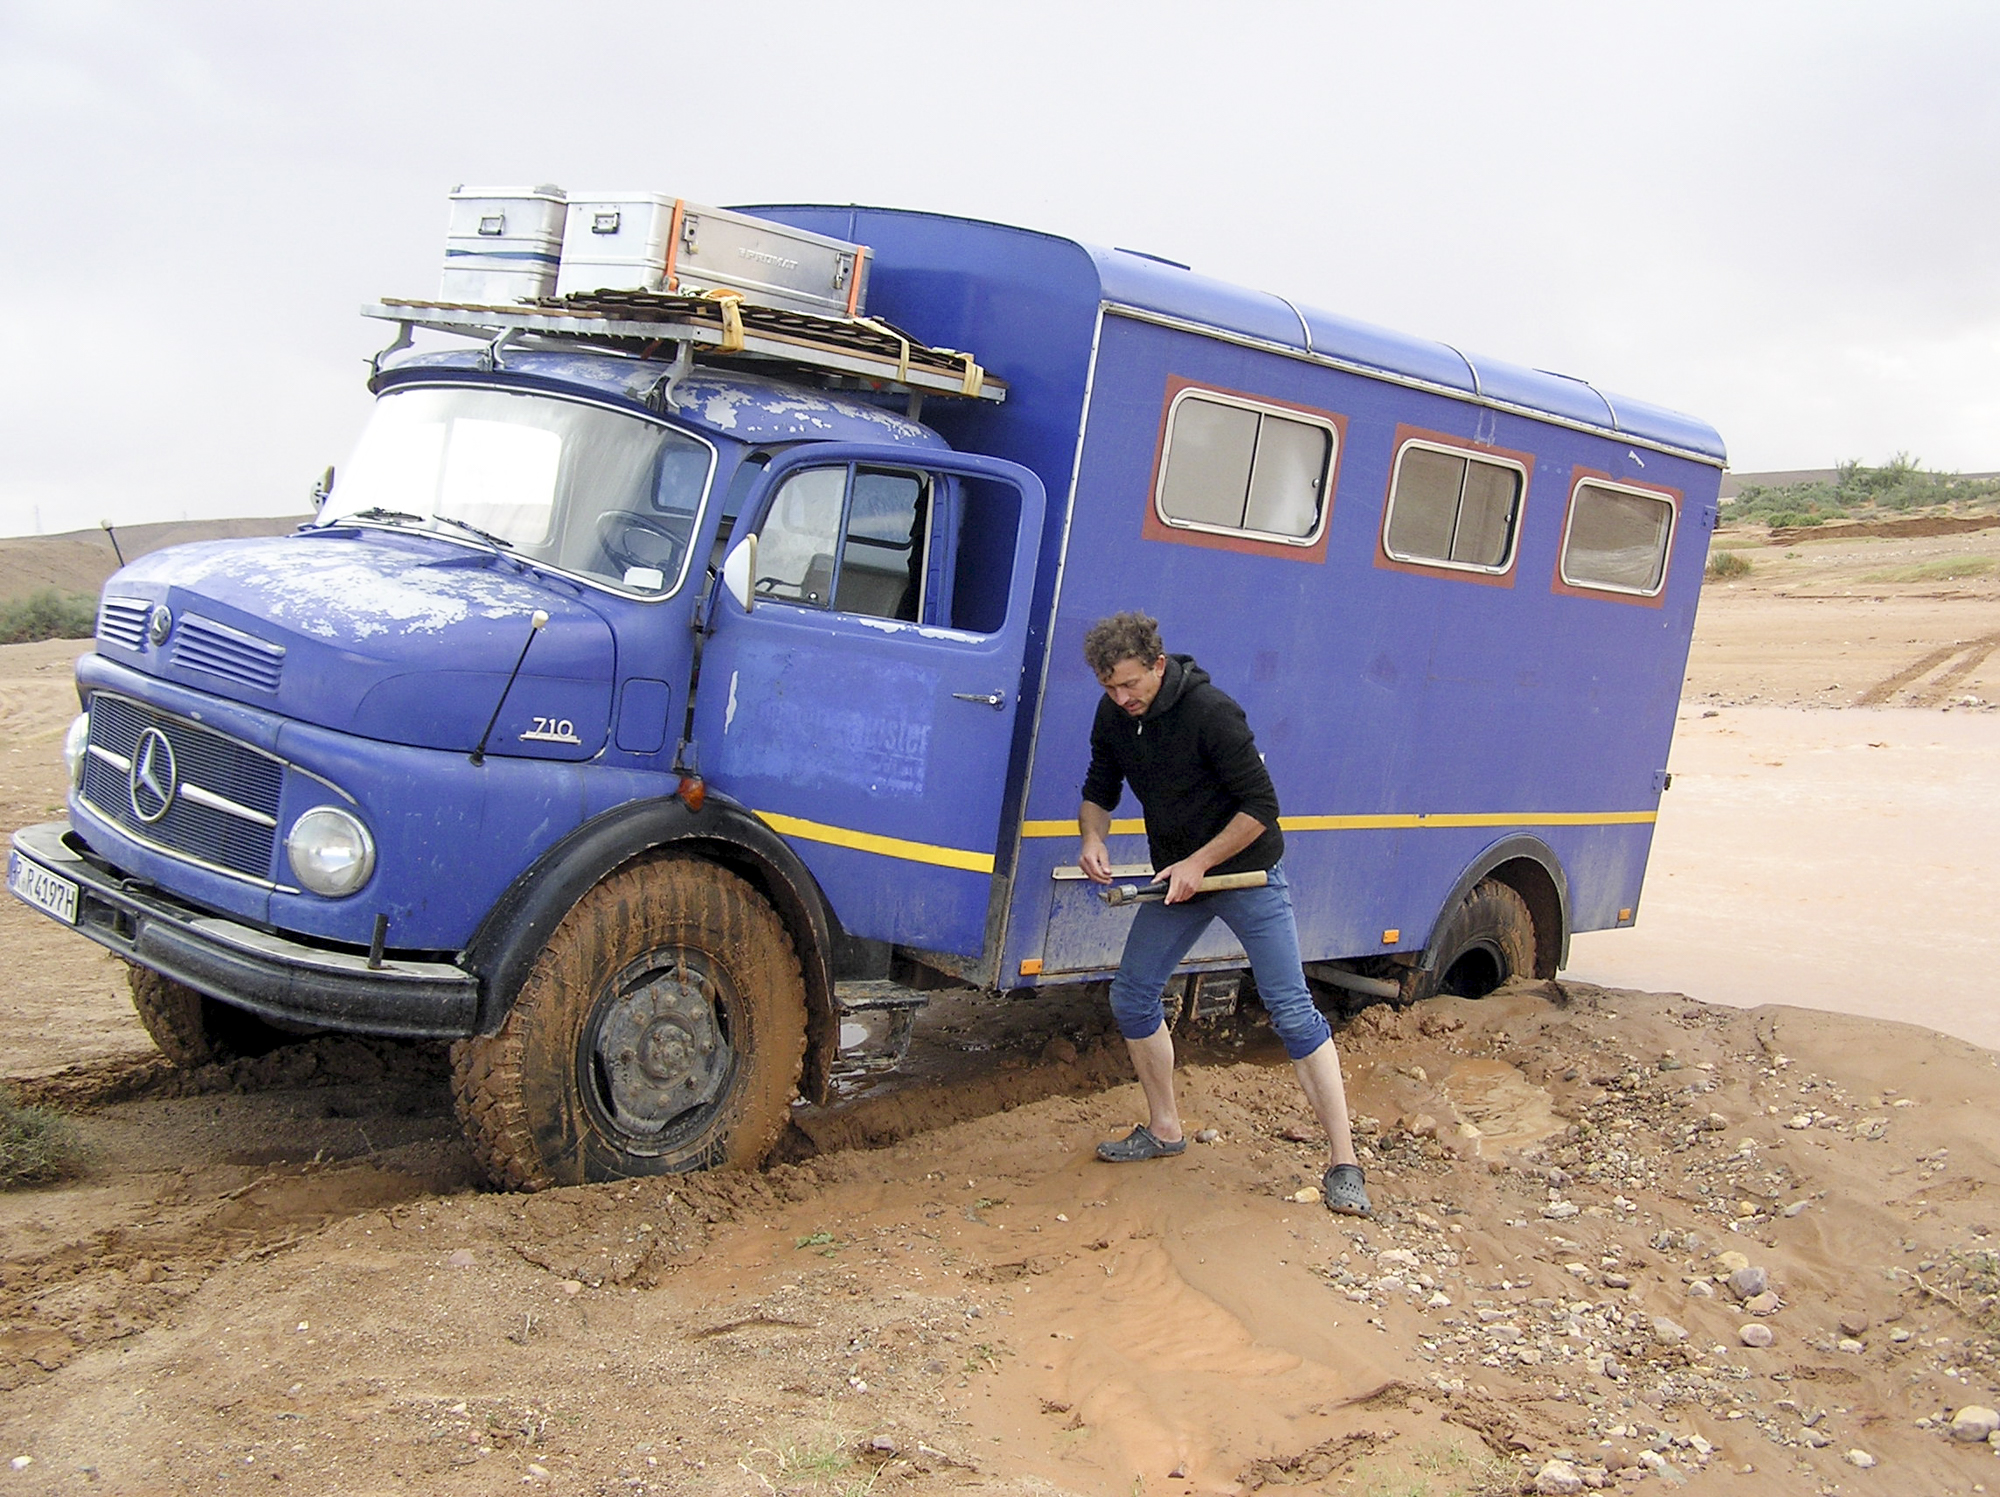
pixel 75 742
pixel 330 851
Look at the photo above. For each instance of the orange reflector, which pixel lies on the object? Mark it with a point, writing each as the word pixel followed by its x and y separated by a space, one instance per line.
pixel 1391 937
pixel 1032 967
pixel 1624 914
pixel 693 791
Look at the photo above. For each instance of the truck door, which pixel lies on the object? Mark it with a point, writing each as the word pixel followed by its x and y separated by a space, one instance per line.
pixel 864 702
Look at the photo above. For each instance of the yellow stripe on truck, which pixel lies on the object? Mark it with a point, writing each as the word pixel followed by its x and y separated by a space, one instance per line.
pixel 1391 822
pixel 888 847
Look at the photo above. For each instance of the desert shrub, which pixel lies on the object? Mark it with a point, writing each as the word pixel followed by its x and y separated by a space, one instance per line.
pixel 1723 565
pixel 47 614
pixel 1900 484
pixel 36 1145
pixel 1938 569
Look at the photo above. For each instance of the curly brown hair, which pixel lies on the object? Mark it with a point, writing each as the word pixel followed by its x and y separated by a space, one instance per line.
pixel 1123 636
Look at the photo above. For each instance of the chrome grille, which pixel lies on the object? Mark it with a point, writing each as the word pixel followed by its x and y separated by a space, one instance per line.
pixel 122 621
pixel 225 804
pixel 203 645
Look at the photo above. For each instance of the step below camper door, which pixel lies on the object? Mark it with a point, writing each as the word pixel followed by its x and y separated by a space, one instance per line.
pixel 863 703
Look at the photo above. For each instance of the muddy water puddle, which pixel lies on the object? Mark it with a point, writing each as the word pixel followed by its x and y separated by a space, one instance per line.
pixel 1498 1108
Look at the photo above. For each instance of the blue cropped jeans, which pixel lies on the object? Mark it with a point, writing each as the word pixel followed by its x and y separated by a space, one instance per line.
pixel 1162 934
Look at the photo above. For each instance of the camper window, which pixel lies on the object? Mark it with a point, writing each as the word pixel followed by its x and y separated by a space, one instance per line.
pixel 1451 509
pixel 1617 539
pixel 1235 467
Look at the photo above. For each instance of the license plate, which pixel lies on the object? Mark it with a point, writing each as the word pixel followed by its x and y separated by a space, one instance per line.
pixel 41 888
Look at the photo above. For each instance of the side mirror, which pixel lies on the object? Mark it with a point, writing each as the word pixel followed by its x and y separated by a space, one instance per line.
pixel 739 572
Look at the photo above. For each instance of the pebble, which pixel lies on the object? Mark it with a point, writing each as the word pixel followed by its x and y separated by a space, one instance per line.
pixel 1306 1196
pixel 1179 1473
pixel 1730 1261
pixel 22 1462
pixel 1853 1323
pixel 1974 1422
pixel 1208 1135
pixel 1756 1335
pixel 1796 1207
pixel 1558 1479
pixel 1766 1303
pixel 572 1286
pixel 882 1445
pixel 1852 1347
pixel 1668 1330
pixel 1749 1281
pixel 1700 1289
pixel 1860 1458
pixel 461 1259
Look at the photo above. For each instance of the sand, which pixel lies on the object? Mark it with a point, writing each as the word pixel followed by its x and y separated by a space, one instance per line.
pixel 280 1276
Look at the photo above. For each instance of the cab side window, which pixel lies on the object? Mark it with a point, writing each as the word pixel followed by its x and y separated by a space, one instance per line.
pixel 855 539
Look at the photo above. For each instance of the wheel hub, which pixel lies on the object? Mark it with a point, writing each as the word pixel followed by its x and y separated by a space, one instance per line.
pixel 660 1050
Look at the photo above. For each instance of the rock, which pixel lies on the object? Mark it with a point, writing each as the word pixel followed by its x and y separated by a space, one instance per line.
pixel 1796 1207
pixel 1617 1281
pixel 1059 1051
pixel 1766 1303
pixel 881 1445
pixel 1208 1135
pixel 1860 1458
pixel 1756 1335
pixel 1700 1289
pixel 1561 1211
pixel 1974 1422
pixel 1420 1125
pixel 1731 1261
pixel 1749 1281
pixel 22 1462
pixel 572 1286
pixel 1558 1479
pixel 1179 1473
pixel 1667 1330
pixel 461 1259
pixel 1852 1347
pixel 1853 1323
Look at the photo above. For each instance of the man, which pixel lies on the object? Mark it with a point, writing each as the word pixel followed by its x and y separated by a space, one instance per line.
pixel 1186 750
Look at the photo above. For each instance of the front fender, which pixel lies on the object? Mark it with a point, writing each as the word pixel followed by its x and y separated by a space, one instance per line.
pixel 520 923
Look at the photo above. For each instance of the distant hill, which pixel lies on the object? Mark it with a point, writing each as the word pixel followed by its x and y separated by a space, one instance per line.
pixel 79 560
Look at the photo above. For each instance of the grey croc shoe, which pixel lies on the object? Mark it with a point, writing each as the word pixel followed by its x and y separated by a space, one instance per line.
pixel 1139 1144
pixel 1345 1192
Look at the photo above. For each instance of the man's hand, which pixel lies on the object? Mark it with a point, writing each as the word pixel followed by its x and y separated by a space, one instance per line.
pixel 1095 861
pixel 1094 858
pixel 1183 879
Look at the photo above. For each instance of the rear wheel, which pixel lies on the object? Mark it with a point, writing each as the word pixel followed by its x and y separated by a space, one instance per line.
pixel 661 1029
pixel 1488 939
pixel 194 1030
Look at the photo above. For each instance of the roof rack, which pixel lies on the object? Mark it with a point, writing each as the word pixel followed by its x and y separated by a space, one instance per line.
pixel 863 349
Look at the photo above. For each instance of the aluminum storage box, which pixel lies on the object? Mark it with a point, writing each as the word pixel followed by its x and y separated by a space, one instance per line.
pixel 615 241
pixel 502 244
pixel 773 264
pixel 647 242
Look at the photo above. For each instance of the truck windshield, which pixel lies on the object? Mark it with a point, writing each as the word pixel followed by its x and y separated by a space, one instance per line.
pixel 574 486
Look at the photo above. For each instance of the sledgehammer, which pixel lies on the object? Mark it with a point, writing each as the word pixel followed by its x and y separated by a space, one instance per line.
pixel 1119 894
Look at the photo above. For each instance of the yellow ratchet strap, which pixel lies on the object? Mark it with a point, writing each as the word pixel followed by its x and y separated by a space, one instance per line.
pixel 727 298
pixel 902 343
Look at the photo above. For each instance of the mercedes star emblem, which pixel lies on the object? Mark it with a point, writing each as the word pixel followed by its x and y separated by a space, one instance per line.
pixel 159 624
pixel 155 777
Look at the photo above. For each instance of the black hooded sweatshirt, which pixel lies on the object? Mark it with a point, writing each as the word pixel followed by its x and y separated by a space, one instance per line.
pixel 1191 760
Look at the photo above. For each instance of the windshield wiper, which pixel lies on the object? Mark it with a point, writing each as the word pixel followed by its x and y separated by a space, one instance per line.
pixel 392 516
pixel 470 529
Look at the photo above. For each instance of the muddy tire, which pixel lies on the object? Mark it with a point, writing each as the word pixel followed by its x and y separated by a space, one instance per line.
pixel 1488 939
pixel 193 1030
pixel 662 1029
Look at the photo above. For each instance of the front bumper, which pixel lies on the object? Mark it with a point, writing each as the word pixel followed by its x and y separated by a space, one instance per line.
pixel 253 969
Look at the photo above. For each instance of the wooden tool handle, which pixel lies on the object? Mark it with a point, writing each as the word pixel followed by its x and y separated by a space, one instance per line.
pixel 1215 883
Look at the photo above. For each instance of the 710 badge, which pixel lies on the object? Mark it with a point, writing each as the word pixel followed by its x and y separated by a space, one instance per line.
pixel 41 888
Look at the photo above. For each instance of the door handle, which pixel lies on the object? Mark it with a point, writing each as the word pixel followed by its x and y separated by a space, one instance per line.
pixel 992 699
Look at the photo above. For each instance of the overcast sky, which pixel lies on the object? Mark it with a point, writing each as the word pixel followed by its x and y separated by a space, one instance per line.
pixel 1784 217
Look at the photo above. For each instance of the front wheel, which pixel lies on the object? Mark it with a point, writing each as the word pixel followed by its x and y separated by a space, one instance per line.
pixel 662 1029
pixel 1488 939
pixel 192 1029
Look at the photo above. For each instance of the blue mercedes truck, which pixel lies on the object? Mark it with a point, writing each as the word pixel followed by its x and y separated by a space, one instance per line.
pixel 672 670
